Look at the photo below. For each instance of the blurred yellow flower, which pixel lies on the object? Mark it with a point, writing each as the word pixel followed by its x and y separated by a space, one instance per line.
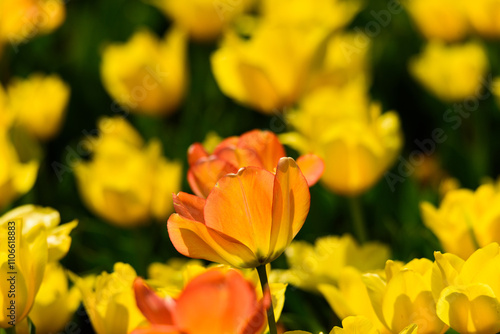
pixel 483 17
pixel 17 176
pixel 55 303
pixel 451 73
pixel 465 219
pixel 21 20
pixel 365 140
pixel 468 292
pixel 405 297
pixel 127 182
pixel 109 300
pixel 270 70
pixel 29 237
pixel 147 75
pixel 439 19
pixel 23 257
pixel 311 265
pixel 203 19
pixel 38 103
pixel 332 14
pixel 359 324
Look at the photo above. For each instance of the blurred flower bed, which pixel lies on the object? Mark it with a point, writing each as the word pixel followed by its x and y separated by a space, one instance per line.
pixel 207 166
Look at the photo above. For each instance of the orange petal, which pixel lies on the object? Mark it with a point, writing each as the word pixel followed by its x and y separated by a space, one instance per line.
pixel 203 175
pixel 194 239
pixel 228 142
pixel 312 167
pixel 155 309
pixel 267 146
pixel 195 153
pixel 291 201
pixel 240 156
pixel 217 302
pixel 189 206
pixel 158 329
pixel 240 206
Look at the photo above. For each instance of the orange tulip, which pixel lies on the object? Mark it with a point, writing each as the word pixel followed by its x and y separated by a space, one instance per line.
pixel 212 303
pixel 247 220
pixel 254 148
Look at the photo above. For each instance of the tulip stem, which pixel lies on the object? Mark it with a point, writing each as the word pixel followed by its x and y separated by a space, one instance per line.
pixel 10 330
pixel 358 219
pixel 270 311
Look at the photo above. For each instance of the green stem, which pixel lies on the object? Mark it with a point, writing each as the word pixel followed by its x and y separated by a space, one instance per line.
pixel 270 311
pixel 10 330
pixel 358 220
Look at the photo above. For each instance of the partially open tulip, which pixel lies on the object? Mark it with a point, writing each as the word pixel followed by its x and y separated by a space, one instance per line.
pixel 439 19
pixel 109 300
pixel 127 182
pixel 38 103
pixel 146 74
pixel 212 303
pixel 311 265
pixel 271 70
pixel 254 148
pixel 405 297
pixel 203 19
pixel 451 73
pixel 465 219
pixel 468 292
pixel 55 302
pixel 29 238
pixel 247 220
pixel 365 140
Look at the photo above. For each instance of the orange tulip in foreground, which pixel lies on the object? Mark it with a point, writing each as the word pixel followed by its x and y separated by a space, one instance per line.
pixel 247 220
pixel 254 148
pixel 212 303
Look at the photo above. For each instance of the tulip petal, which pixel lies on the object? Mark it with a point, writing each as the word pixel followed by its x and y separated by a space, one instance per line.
pixel 196 240
pixel 470 309
pixel 156 330
pixel 267 146
pixel 189 206
pixel 203 175
pixel 157 310
pixel 240 207
pixel 195 152
pixel 312 167
pixel 240 156
pixel 291 201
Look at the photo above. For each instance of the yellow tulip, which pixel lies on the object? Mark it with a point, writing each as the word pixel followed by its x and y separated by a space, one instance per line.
pixel 451 73
pixel 109 300
pixel 38 104
pixel 21 20
pixel 333 14
pixel 323 263
pixel 468 292
pixel 127 182
pixel 203 19
pixel 17 176
pixel 483 17
pixel 147 75
pixel 58 239
pixel 405 297
pixel 465 220
pixel 270 70
pixel 367 141
pixel 439 19
pixel 55 303
pixel 29 238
